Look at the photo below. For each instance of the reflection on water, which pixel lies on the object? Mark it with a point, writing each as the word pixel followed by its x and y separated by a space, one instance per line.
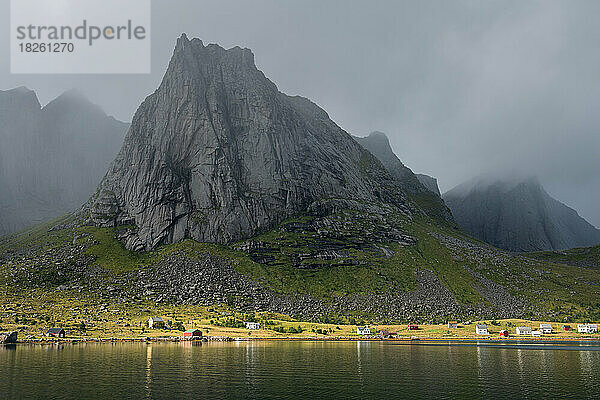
pixel 148 369
pixel 291 370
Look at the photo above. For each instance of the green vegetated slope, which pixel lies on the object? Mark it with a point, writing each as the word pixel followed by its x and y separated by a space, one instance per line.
pixel 285 260
pixel 561 292
pixel 588 257
pixel 42 236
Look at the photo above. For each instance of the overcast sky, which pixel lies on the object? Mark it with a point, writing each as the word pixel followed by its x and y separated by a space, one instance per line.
pixel 460 87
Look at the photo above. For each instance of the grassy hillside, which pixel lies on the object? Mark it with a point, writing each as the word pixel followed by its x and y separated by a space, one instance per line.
pixel 587 257
pixel 350 255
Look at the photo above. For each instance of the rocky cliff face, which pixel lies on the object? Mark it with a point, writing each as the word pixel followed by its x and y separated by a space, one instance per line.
pixel 430 183
pixel 518 215
pixel 51 158
pixel 429 200
pixel 217 154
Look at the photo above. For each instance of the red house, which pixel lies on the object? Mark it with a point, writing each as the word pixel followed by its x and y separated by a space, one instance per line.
pixel 504 333
pixel 567 328
pixel 413 327
pixel 192 333
pixel 56 332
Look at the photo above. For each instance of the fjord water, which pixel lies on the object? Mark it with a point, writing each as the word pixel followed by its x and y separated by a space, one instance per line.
pixel 292 370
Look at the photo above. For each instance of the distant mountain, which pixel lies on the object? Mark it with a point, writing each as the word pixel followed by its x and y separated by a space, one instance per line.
pixel 52 157
pixel 421 190
pixel 430 183
pixel 518 215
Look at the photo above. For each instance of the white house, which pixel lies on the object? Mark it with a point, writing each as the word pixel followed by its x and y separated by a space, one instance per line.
pixel 156 322
pixel 363 330
pixel 546 329
pixel 587 328
pixel 481 330
pixel 252 325
pixel 452 324
pixel 523 330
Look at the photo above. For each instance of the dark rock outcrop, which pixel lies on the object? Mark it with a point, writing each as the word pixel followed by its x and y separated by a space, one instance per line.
pixel 218 154
pixel 518 215
pixel 51 158
pixel 8 337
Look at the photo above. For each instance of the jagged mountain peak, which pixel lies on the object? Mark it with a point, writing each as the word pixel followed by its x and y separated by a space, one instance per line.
pixel 19 90
pixel 379 136
pixel 195 51
pixel 19 98
pixel 217 154
pixel 379 144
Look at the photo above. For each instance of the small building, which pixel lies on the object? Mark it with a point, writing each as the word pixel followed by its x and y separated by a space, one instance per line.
pixel 481 329
pixel 587 328
pixel 387 334
pixel 413 327
pixel 523 330
pixel 452 324
pixel 56 332
pixel 156 323
pixel 192 333
pixel 567 328
pixel 536 333
pixel 504 333
pixel 363 330
pixel 252 325
pixel 546 329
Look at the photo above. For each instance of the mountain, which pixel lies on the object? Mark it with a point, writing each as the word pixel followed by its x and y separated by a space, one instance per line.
pixel 518 215
pixel 51 158
pixel 218 154
pixel 430 183
pixel 228 193
pixel 429 200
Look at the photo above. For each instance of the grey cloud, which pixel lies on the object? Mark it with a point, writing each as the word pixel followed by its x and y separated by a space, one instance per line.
pixel 461 87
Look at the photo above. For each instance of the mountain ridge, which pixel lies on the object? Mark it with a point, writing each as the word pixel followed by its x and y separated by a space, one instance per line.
pixel 517 214
pixel 428 200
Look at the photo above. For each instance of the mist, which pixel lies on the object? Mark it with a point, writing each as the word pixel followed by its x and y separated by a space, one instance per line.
pixel 461 88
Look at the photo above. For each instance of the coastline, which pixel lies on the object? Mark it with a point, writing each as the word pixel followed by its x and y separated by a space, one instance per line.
pixel 401 340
